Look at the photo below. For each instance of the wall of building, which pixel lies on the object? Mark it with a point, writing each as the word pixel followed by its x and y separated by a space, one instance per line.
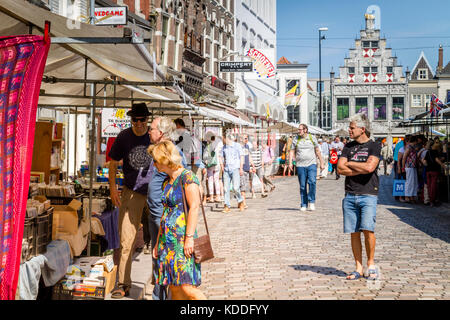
pixel 255 23
pixel 293 72
pixel 373 83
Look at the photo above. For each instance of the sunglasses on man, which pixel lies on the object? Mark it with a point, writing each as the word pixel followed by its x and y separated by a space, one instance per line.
pixel 141 119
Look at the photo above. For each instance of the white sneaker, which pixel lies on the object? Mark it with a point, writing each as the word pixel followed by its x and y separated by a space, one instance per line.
pixel 303 209
pixel 312 207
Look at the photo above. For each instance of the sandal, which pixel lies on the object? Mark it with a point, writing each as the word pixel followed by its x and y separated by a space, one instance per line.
pixel 120 292
pixel 354 273
pixel 372 272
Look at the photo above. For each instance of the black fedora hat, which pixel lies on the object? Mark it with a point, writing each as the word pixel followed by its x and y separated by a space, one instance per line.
pixel 139 110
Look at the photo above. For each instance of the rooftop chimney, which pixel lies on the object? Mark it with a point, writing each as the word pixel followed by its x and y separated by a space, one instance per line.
pixel 441 58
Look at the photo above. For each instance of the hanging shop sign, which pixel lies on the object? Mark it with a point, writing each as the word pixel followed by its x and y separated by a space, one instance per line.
pixel 236 66
pixel 114 121
pixel 108 16
pixel 263 64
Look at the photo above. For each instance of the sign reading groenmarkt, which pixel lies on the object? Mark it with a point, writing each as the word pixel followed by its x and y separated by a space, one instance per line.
pixel 236 66
pixel 111 16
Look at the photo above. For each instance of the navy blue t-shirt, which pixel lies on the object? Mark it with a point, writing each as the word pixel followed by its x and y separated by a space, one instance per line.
pixel 246 150
pixel 132 149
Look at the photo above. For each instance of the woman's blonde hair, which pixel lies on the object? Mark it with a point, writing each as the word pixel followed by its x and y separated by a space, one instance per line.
pixel 166 153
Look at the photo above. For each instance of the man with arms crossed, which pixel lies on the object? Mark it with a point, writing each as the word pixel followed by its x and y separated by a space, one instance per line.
pixel 359 163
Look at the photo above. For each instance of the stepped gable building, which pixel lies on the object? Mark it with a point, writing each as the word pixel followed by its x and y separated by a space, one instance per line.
pixel 370 82
pixel 421 85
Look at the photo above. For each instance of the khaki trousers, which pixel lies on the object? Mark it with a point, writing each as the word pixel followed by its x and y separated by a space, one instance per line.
pixel 130 213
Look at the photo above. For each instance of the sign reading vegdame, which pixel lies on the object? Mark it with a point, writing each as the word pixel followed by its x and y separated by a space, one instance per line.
pixel 111 16
pixel 236 66
pixel 263 64
pixel 114 121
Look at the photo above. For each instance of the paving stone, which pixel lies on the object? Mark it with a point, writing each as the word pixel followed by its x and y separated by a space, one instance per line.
pixel 274 252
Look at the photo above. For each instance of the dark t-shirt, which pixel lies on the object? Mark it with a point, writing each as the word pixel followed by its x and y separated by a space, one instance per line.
pixel 246 150
pixel 432 165
pixel 362 183
pixel 136 161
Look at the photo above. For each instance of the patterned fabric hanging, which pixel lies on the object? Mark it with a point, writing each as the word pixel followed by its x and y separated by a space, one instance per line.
pixel 22 62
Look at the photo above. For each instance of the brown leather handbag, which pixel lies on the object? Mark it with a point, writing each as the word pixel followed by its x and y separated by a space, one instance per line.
pixel 202 245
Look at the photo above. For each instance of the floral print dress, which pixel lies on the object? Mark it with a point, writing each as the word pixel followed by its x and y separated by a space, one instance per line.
pixel 174 267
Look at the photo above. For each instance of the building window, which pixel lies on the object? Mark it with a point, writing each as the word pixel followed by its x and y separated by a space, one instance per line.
pixel 397 108
pixel 422 74
pixel 342 108
pixel 427 100
pixel 379 108
pixel 389 69
pixel 417 100
pixel 165 32
pixel 361 106
pixel 351 70
pixel 293 114
pixel 370 69
pixel 370 44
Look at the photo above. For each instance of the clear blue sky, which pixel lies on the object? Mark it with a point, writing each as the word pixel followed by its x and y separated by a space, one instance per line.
pixel 409 26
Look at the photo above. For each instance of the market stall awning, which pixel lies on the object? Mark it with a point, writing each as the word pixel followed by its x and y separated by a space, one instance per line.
pixel 76 61
pixel 223 116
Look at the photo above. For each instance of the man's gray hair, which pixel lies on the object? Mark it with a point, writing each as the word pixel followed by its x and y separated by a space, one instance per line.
pixel 167 127
pixel 361 121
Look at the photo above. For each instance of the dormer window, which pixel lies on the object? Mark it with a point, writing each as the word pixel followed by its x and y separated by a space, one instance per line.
pixel 422 74
pixel 370 44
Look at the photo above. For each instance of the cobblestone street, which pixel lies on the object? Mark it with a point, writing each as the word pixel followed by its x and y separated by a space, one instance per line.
pixel 275 251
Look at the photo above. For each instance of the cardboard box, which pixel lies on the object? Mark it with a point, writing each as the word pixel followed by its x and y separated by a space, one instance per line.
pixel 110 279
pixel 65 218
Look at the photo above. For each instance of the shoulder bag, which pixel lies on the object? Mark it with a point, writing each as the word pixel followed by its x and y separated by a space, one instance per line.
pixel 202 245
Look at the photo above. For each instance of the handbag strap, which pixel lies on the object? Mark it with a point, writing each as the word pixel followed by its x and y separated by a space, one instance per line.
pixel 186 207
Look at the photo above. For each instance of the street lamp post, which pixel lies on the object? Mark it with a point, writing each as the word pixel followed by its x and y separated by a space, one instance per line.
pixel 320 73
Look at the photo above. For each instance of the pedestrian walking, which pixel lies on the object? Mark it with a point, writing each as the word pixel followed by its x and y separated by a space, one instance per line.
pixel 174 249
pixel 232 160
pixel 325 151
pixel 248 163
pixel 386 154
pixel 286 151
pixel 130 146
pixel 434 162
pixel 359 163
pixel 257 169
pixel 161 129
pixel 409 162
pixel 211 160
pixel 337 146
pixel 305 148
pixel 267 158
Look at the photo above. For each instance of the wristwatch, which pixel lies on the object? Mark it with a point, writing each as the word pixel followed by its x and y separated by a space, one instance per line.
pixel 189 235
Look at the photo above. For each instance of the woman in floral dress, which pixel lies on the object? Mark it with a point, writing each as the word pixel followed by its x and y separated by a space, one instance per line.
pixel 175 245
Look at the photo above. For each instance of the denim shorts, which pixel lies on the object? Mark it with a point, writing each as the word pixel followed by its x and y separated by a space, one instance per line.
pixel 360 212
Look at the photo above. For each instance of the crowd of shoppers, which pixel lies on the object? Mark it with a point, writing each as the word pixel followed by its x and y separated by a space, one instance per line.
pixel 161 162
pixel 421 163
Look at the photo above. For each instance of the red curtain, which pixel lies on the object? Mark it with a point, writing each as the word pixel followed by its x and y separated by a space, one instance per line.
pixel 22 62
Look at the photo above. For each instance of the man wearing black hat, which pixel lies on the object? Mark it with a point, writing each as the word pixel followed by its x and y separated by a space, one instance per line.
pixel 130 146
